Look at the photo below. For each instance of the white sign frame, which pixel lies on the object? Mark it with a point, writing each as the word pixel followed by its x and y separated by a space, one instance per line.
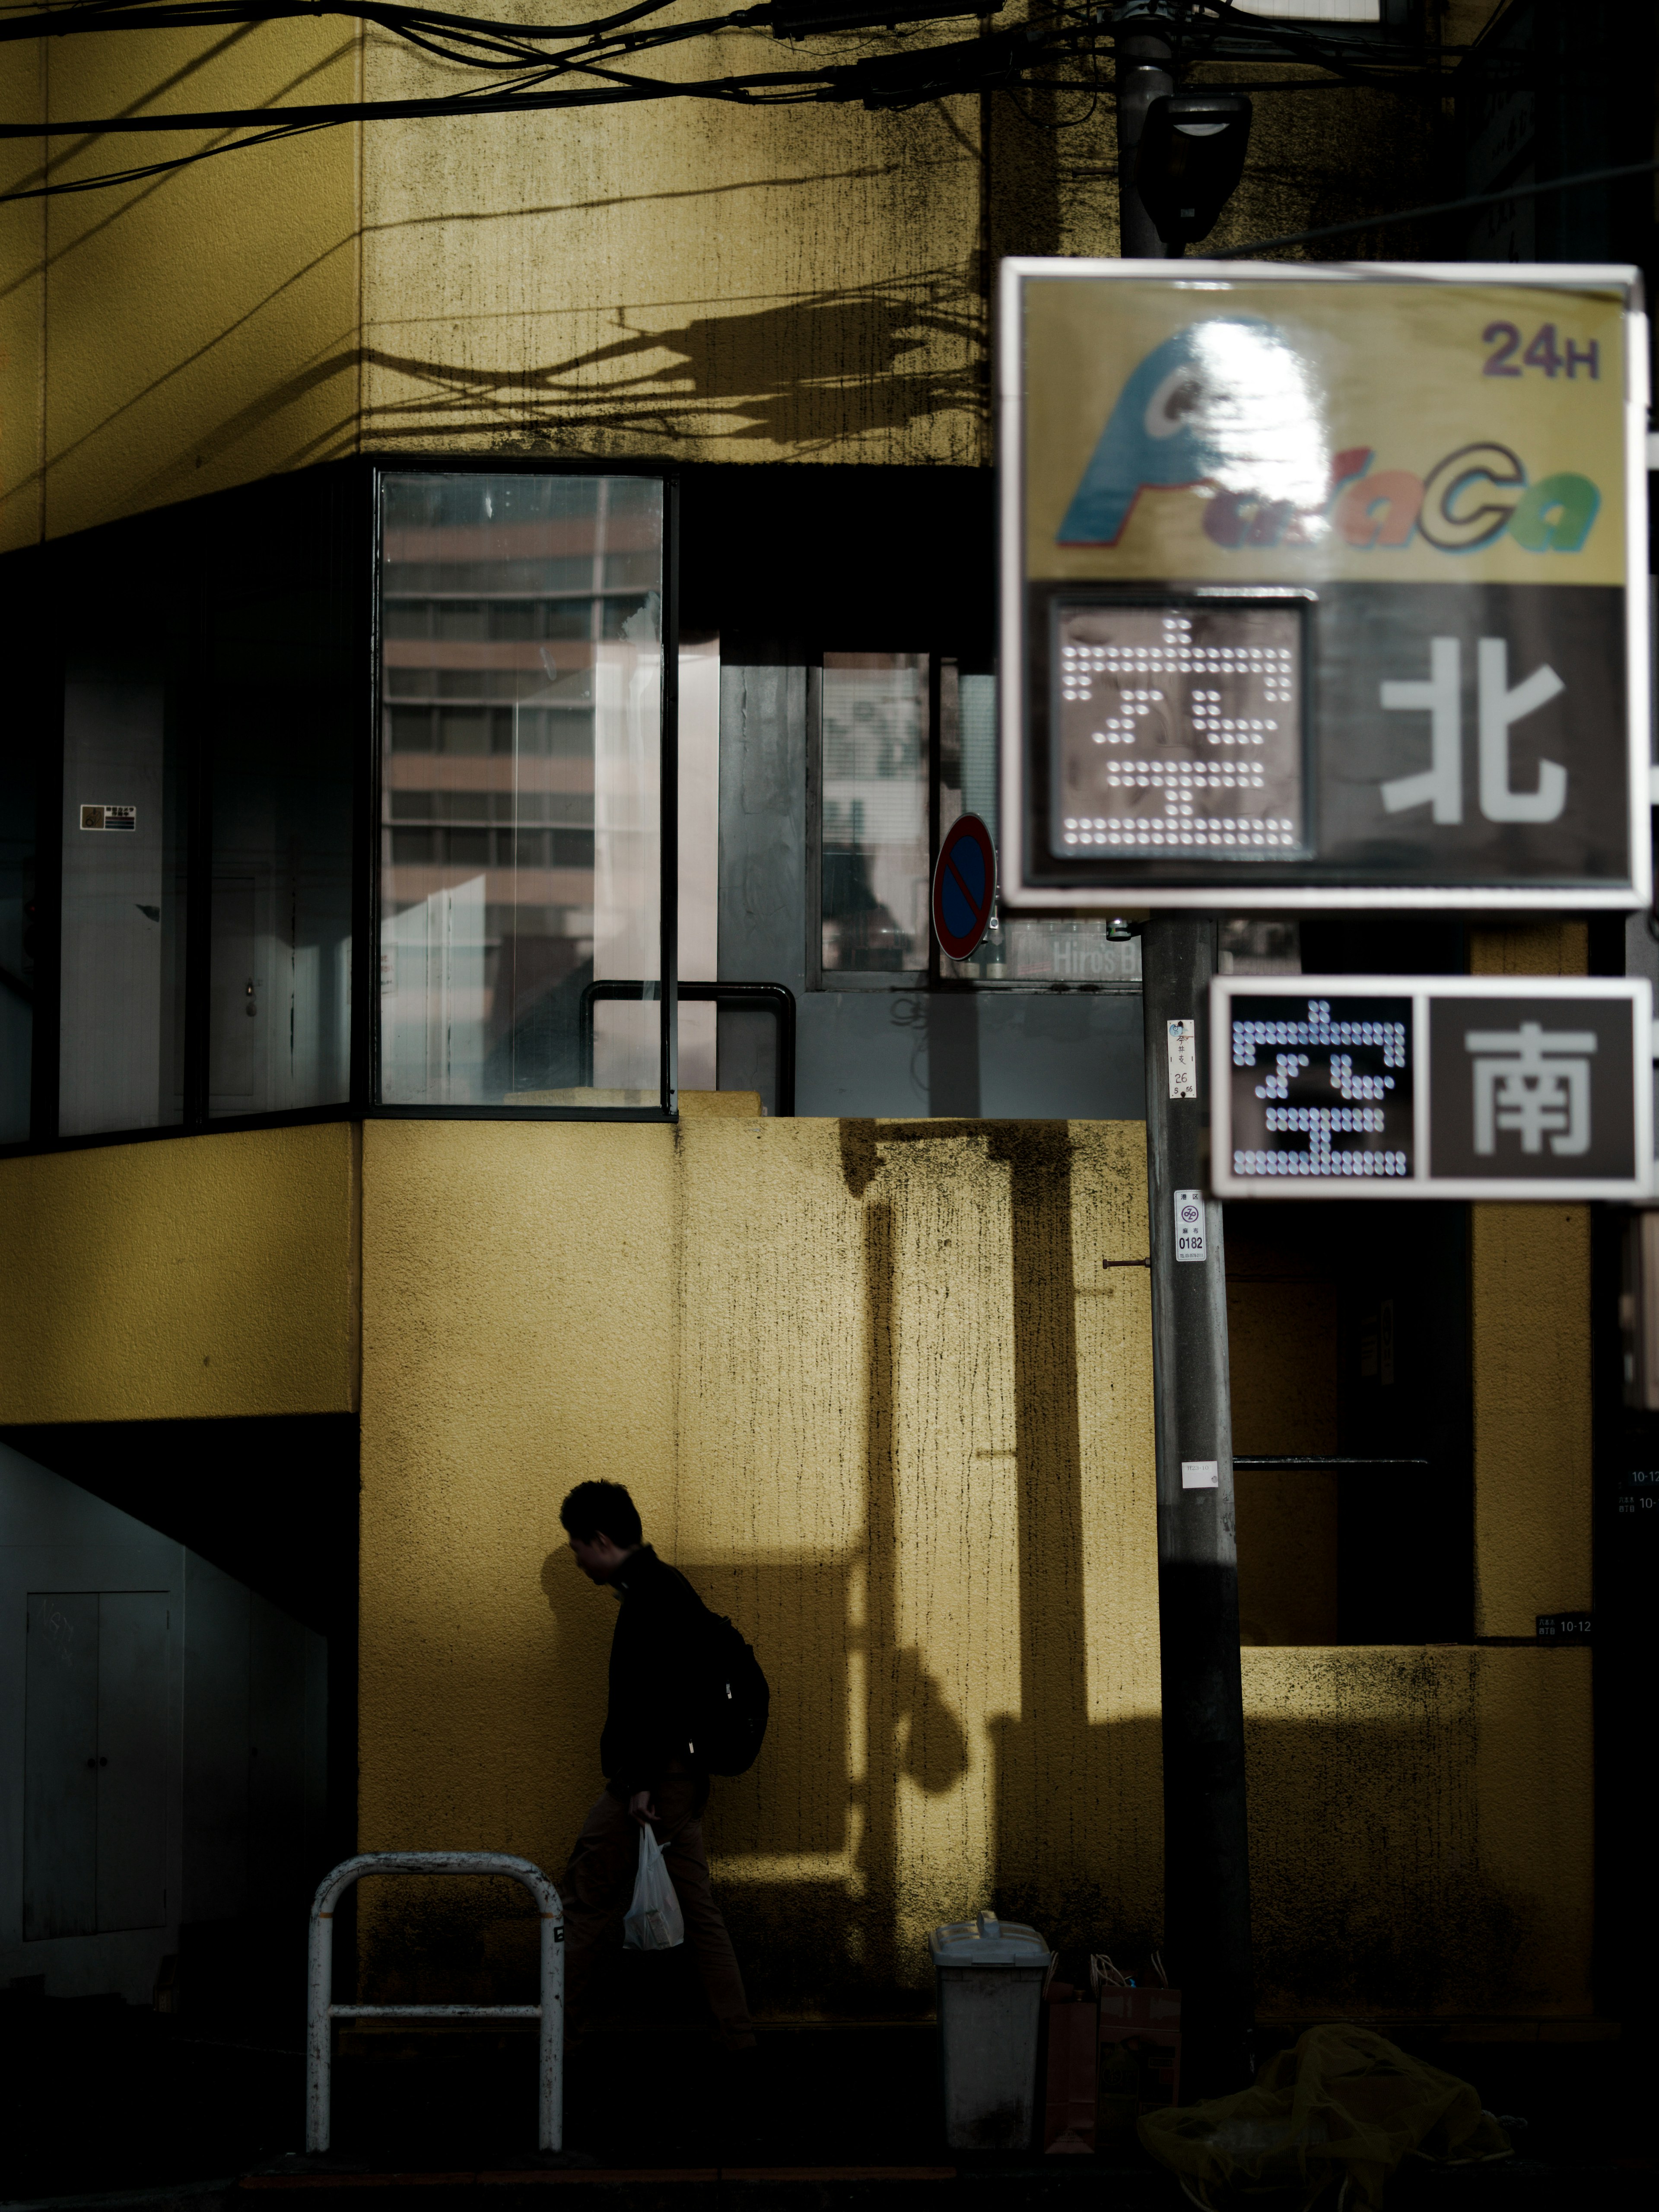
pixel 1225 991
pixel 1234 894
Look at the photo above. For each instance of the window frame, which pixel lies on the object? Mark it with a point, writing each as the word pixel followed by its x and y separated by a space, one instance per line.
pixel 48 593
pixel 668 1108
pixel 931 975
pixel 44 591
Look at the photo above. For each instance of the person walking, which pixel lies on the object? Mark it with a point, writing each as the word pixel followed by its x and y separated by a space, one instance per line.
pixel 653 1775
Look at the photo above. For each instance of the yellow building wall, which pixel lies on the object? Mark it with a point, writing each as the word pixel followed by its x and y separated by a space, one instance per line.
pixel 1420 1833
pixel 1530 1358
pixel 872 1388
pixel 874 1391
pixel 695 279
pixel 688 280
pixel 184 332
pixel 199 1277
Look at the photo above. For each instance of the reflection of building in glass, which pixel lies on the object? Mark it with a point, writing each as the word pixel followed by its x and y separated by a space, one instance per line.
pixel 520 687
pixel 1179 730
pixel 878 746
pixel 875 812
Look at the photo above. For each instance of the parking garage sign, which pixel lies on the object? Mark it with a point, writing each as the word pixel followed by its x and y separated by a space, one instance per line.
pixel 1467 1087
pixel 1318 586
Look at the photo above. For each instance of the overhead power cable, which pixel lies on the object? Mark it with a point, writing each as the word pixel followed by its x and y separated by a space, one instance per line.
pixel 786 19
pixel 1439 207
pixel 544 68
pixel 903 79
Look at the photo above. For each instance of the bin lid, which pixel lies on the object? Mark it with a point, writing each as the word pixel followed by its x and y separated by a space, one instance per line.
pixel 988 1941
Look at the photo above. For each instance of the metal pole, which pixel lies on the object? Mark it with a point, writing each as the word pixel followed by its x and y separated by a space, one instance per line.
pixel 1206 1868
pixel 1207 1877
pixel 320 2026
pixel 550 2053
pixel 323 2013
pixel 1141 44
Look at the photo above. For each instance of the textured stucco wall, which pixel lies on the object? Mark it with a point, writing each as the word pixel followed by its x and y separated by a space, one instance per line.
pixel 176 334
pixel 697 279
pixel 687 279
pixel 1420 1839
pixel 206 1276
pixel 874 1390
pixel 1530 1314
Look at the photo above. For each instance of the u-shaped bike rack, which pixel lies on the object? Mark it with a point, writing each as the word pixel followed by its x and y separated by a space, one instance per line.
pixel 323 2011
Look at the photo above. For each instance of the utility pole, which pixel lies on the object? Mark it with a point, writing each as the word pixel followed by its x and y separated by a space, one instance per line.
pixel 1207 1874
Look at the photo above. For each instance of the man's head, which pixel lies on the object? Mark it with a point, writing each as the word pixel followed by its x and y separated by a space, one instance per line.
pixel 603 1525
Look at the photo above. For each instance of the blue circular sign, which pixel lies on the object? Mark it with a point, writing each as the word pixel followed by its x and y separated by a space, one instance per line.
pixel 964 887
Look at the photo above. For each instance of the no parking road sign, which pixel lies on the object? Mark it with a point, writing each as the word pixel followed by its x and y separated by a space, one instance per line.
pixel 1465 1086
pixel 964 887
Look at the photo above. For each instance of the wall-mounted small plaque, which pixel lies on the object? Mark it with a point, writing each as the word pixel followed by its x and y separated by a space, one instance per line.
pixel 1563 1627
pixel 109 818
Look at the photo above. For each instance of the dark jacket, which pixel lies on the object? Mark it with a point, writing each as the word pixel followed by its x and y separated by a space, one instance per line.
pixel 660 1624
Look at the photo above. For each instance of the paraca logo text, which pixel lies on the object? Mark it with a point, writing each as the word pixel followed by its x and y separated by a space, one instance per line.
pixel 1228 408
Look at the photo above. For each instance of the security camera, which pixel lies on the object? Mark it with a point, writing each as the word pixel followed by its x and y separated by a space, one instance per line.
pixel 1189 160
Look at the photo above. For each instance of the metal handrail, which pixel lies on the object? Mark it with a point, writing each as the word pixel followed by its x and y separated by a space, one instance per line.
pixel 775 998
pixel 322 2012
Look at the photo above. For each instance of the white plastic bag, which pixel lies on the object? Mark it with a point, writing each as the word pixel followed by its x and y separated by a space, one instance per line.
pixel 654 1922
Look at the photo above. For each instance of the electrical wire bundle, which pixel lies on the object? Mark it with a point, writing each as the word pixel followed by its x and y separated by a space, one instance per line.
pixel 540 68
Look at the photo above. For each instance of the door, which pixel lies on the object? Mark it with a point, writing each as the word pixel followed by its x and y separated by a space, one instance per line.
pixel 236 1023
pixel 132 1759
pixel 60 1765
pixel 95 1762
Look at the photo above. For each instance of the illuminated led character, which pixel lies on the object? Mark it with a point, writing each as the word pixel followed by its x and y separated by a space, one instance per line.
pixel 1224 403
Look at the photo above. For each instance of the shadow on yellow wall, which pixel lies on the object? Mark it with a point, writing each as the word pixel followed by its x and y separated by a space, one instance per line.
pixel 803 372
pixel 884 1406
pixel 875 1394
pixel 873 1389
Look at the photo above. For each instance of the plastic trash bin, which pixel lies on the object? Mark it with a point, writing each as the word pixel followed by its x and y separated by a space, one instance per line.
pixel 990 1974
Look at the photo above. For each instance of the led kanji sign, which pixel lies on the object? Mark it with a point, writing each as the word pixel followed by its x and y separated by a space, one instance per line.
pixel 1443 1087
pixel 1319 591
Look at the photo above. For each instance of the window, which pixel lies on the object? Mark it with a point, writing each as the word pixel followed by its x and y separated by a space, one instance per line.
pixel 344 716
pixel 875 739
pixel 280 759
pixel 1321 11
pixel 177 809
pixel 906 744
pixel 120 1052
pixel 521 681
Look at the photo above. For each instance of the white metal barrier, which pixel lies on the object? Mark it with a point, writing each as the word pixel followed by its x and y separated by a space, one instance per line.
pixel 323 2011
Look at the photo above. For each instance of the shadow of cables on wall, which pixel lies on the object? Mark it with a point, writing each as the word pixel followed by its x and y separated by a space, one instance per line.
pixel 808 372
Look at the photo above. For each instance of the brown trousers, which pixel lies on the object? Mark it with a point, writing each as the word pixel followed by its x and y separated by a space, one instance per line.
pixel 598 1887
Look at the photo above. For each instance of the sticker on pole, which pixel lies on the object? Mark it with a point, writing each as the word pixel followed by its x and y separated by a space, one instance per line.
pixel 1184 1060
pixel 964 887
pixel 1191 1242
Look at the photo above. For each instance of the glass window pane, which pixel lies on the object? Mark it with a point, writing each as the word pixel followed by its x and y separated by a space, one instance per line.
pixel 977 713
pixel 17 947
pixel 521 847
pixel 1036 949
pixel 121 1042
pixel 280 746
pixel 875 882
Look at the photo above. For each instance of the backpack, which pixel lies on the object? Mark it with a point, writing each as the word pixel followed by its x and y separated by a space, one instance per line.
pixel 729 1701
